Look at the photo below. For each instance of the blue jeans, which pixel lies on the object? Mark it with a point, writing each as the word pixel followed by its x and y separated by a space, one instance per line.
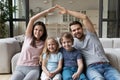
pixel 102 72
pixel 69 71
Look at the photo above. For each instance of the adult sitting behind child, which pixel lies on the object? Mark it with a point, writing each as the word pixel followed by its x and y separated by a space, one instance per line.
pixel 72 59
pixel 52 61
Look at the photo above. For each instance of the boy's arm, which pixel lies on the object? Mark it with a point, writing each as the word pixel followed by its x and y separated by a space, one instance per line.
pixel 79 70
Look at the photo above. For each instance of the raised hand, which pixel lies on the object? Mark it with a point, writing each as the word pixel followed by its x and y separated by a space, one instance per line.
pixel 62 9
pixel 51 9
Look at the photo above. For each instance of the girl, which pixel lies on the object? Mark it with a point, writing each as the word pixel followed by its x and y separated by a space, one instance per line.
pixel 28 62
pixel 52 61
pixel 73 64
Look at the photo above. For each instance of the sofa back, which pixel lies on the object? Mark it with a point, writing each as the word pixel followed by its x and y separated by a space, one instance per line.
pixel 110 42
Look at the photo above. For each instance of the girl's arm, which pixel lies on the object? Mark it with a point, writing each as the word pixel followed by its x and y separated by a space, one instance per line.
pixel 59 68
pixel 79 70
pixel 44 68
pixel 34 18
pixel 86 21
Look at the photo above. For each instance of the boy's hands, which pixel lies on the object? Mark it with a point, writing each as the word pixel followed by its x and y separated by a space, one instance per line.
pixel 75 76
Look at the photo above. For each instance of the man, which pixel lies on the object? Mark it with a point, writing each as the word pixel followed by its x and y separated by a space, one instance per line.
pixel 98 67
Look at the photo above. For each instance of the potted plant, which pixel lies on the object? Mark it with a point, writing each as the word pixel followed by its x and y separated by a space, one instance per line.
pixel 5 11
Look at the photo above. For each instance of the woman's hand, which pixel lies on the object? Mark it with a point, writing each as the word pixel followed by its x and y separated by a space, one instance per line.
pixel 51 9
pixel 62 9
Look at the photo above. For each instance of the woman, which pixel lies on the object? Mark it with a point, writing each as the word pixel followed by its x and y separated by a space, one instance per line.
pixel 35 36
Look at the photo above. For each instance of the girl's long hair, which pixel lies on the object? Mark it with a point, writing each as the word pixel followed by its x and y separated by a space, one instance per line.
pixel 46 51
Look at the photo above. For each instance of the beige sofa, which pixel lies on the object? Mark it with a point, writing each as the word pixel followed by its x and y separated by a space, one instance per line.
pixel 112 50
pixel 111 47
pixel 8 47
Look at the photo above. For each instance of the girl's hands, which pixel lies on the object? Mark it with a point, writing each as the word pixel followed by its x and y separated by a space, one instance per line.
pixel 51 75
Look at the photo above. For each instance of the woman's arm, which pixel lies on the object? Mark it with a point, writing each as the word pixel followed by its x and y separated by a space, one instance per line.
pixel 34 18
pixel 86 21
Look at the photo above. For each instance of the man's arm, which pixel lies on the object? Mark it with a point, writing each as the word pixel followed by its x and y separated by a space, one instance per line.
pixel 86 21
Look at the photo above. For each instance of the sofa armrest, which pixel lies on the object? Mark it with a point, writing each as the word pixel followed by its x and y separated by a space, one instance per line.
pixel 14 61
pixel 114 57
pixel 8 47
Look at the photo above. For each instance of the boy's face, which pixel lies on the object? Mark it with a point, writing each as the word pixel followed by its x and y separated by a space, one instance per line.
pixel 67 43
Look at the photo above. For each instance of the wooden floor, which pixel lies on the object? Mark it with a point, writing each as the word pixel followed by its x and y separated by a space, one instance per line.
pixel 5 76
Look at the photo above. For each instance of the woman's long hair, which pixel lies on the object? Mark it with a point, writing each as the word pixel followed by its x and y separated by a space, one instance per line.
pixel 43 37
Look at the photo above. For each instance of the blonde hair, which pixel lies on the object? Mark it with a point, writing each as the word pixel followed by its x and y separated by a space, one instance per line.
pixel 46 51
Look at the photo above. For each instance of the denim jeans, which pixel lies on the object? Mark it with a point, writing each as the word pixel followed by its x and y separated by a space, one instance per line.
pixel 102 72
pixel 69 71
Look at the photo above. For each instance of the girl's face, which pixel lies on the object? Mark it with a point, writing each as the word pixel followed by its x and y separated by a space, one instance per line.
pixel 38 31
pixel 51 45
pixel 67 44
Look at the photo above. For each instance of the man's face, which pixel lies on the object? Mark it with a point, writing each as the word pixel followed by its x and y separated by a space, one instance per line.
pixel 77 31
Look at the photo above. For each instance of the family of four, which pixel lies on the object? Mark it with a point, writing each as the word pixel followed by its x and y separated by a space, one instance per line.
pixel 65 62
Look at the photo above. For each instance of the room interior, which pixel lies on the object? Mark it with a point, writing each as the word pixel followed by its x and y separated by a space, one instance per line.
pixel 57 23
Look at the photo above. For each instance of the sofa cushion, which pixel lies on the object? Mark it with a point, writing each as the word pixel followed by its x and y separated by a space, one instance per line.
pixel 20 39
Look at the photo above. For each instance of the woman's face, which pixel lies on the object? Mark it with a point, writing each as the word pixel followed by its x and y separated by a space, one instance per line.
pixel 51 45
pixel 38 31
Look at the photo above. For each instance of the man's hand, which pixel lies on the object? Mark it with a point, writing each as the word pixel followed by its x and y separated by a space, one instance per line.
pixel 62 9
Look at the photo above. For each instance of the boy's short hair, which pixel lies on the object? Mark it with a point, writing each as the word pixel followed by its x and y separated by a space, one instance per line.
pixel 67 35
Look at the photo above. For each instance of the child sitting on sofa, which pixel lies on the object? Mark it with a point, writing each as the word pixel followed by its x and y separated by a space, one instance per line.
pixel 72 59
pixel 52 61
